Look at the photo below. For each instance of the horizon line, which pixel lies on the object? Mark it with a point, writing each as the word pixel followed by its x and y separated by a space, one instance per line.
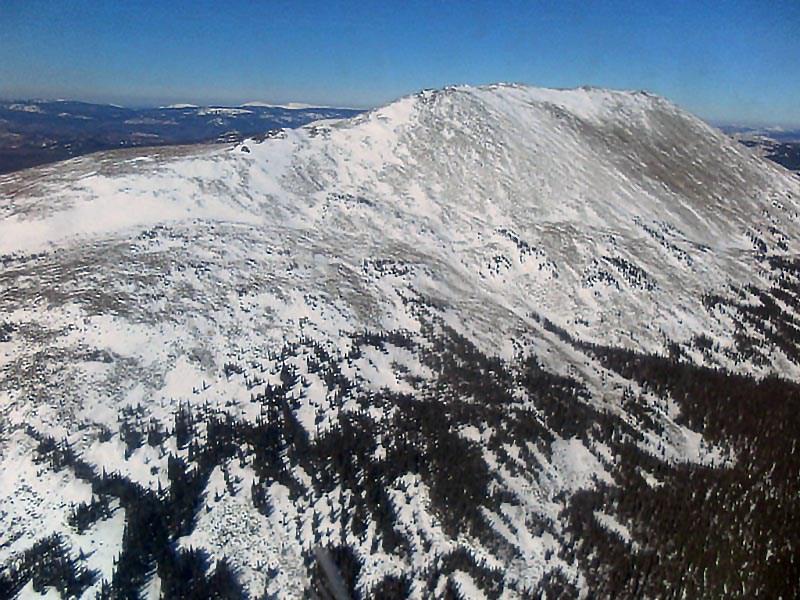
pixel 777 126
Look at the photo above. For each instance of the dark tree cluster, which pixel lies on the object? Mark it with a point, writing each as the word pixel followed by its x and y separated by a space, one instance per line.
pixel 705 531
pixel 661 237
pixel 766 319
pixel 48 563
pixel 634 275
pixel 154 520
pixel 6 329
pixel 85 514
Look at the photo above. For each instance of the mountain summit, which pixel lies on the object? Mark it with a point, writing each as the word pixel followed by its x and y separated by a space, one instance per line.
pixel 489 342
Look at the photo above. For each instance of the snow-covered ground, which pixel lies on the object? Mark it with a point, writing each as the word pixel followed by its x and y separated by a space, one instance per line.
pixel 132 283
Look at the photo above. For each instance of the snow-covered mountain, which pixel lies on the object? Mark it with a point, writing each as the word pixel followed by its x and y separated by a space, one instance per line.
pixel 483 342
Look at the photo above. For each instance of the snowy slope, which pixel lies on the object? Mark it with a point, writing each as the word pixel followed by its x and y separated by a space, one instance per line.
pixel 473 227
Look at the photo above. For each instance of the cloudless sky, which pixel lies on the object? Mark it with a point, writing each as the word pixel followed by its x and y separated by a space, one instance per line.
pixel 726 60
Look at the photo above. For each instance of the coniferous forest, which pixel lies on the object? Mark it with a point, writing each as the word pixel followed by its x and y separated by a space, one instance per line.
pixel 728 530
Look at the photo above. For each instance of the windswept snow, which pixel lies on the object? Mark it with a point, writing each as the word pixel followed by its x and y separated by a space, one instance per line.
pixel 137 283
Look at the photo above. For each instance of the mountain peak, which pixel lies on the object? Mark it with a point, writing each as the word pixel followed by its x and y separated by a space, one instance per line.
pixel 586 101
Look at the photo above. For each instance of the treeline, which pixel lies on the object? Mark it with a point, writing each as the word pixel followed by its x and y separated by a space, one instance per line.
pixel 729 530
pixel 420 435
pixel 703 530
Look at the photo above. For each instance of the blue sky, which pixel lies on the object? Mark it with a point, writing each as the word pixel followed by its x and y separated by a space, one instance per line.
pixel 733 61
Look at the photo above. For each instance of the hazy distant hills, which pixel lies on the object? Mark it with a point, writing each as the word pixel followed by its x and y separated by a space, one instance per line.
pixel 779 134
pixel 783 153
pixel 39 132
pixel 777 144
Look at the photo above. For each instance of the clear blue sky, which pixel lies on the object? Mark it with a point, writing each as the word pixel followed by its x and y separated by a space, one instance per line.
pixel 724 60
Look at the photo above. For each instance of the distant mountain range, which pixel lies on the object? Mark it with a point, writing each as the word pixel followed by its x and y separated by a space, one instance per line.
pixel 35 132
pixel 779 134
pixel 775 143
